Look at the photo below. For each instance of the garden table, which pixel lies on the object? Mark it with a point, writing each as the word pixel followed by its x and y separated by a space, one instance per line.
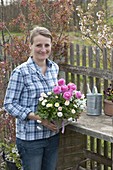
pixel 100 127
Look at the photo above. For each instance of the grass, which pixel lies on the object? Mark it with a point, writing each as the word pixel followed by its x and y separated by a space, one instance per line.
pixel 12 34
pixel 76 38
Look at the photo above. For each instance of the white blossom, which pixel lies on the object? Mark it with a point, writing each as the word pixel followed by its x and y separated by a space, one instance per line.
pixel 67 103
pixel 73 111
pixel 60 114
pixel 49 93
pixel 56 97
pixel 43 94
pixel 60 108
pixel 49 105
pixel 57 104
pixel 83 96
pixel 43 103
pixel 41 99
pixel 45 100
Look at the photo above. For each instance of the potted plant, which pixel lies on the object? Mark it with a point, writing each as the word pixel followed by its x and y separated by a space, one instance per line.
pixel 7 141
pixel 108 101
pixel 10 156
pixel 63 105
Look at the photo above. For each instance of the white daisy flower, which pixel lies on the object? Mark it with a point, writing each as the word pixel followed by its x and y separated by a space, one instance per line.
pixel 43 103
pixel 83 96
pixel 56 97
pixel 57 104
pixel 43 94
pixel 60 108
pixel 45 100
pixel 49 93
pixel 49 105
pixel 41 99
pixel 67 103
pixel 73 111
pixel 59 114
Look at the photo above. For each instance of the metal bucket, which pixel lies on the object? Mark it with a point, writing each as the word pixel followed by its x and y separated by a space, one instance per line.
pixel 94 103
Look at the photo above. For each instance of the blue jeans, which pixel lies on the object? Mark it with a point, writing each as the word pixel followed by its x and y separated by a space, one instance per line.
pixel 39 154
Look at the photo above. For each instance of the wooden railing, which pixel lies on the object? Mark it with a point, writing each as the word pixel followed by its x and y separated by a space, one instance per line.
pixel 87 65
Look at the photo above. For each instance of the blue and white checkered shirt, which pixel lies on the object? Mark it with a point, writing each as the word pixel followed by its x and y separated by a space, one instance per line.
pixel 22 94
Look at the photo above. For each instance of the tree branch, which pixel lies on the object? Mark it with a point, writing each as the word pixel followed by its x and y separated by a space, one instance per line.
pixel 44 10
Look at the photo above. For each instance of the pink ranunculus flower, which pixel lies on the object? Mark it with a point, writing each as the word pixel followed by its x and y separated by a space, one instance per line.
pixel 61 82
pixel 57 89
pixel 78 94
pixel 72 86
pixel 67 95
pixel 71 91
pixel 64 88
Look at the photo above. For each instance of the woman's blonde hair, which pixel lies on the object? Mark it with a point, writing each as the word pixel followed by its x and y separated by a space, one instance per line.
pixel 40 31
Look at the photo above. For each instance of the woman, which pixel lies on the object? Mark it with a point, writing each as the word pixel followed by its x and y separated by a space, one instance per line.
pixel 38 147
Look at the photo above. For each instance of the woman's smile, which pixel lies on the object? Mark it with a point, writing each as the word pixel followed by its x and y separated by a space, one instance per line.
pixel 41 48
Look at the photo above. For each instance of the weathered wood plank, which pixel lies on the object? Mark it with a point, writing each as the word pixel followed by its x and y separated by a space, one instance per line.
pixel 96 126
pixel 72 60
pixel 98 84
pixel 84 82
pixel 82 70
pixel 66 61
pixel 106 153
pixel 90 60
pixel 99 150
pixel 112 153
pixel 105 66
pixel 78 64
pixel 98 158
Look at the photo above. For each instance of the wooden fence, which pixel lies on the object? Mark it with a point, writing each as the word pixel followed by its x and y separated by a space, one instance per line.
pixel 86 65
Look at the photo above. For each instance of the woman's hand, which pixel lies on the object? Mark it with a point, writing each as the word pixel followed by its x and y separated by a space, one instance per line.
pixel 44 122
pixel 49 125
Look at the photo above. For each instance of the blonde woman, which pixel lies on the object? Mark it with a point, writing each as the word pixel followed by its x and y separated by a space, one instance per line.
pixel 37 140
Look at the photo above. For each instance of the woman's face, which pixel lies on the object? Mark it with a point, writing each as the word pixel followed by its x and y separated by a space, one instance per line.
pixel 41 48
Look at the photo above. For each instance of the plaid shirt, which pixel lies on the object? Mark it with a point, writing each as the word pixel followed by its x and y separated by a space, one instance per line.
pixel 22 94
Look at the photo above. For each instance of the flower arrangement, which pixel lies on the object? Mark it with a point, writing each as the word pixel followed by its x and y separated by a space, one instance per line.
pixel 63 103
pixel 108 93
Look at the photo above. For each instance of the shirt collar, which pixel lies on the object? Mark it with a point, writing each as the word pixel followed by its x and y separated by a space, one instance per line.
pixel 34 66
